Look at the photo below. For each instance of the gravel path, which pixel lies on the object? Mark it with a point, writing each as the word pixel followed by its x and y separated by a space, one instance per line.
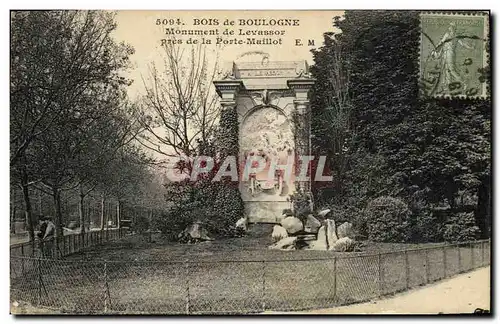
pixel 461 294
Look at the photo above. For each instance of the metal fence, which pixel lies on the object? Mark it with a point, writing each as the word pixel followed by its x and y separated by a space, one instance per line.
pixel 232 287
pixel 68 244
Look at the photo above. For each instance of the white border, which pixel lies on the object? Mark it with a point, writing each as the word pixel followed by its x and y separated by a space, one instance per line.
pixel 192 5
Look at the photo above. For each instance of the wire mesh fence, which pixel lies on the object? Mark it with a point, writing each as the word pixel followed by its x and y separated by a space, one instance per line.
pixel 234 287
pixel 66 245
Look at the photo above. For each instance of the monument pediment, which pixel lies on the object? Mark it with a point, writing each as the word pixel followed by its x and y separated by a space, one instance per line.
pixel 268 75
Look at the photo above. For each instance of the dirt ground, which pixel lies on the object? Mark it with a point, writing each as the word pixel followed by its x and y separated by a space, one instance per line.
pixel 229 275
pixel 461 294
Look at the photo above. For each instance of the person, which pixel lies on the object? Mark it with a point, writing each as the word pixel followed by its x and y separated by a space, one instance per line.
pixel 42 227
pixel 46 235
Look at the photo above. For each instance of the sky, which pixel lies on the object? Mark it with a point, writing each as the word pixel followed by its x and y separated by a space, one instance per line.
pixel 144 31
pixel 140 29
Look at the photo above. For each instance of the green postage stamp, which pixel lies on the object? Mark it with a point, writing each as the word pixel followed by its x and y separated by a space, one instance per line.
pixel 454 55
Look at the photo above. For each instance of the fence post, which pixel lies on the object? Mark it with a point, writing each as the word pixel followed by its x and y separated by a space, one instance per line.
pixel 444 261
pixel 380 276
pixel 106 290
pixel 459 259
pixel 427 271
pixel 22 260
pixel 64 246
pixel 335 279
pixel 407 270
pixel 482 253
pixel 472 256
pixel 263 297
pixel 188 297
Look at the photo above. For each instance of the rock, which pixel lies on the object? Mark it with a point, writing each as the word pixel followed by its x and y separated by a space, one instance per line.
pixel 320 243
pixel 204 235
pixel 344 244
pixel 292 225
pixel 307 237
pixel 312 224
pixel 288 243
pixel 241 224
pixel 345 230
pixel 281 217
pixel 194 232
pixel 331 233
pixel 324 212
pixel 279 233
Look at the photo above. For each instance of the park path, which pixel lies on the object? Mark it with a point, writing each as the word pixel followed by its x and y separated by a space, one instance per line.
pixel 460 294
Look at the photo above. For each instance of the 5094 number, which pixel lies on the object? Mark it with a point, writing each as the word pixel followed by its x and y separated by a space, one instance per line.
pixel 171 21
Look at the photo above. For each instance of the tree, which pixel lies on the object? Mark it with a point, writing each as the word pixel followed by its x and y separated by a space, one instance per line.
pixel 62 64
pixel 332 120
pixel 406 145
pixel 179 110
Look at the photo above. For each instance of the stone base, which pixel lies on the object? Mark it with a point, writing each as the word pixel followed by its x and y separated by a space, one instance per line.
pixel 265 211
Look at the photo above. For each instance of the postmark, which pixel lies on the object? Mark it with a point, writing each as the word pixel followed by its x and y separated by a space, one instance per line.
pixel 454 55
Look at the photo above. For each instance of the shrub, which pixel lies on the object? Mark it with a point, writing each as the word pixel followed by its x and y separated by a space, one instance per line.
pixel 461 227
pixel 175 220
pixel 427 227
pixel 387 220
pixel 140 224
pixel 217 205
pixel 227 208
pixel 301 203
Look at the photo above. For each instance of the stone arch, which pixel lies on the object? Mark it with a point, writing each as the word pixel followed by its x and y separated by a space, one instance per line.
pixel 266 131
pixel 257 107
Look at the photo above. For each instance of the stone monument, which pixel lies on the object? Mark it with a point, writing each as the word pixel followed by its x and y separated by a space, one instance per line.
pixel 272 102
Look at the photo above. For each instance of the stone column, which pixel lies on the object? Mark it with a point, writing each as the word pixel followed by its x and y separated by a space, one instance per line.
pixel 228 92
pixel 228 89
pixel 302 127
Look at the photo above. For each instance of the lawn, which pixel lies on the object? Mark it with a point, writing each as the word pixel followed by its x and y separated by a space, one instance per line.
pixel 238 275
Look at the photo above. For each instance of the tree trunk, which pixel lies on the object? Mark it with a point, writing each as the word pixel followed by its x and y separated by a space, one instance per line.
pixel 40 207
pixel 103 205
pixel 150 223
pixel 118 213
pixel 27 202
pixel 56 195
pixel 81 212
pixel 12 210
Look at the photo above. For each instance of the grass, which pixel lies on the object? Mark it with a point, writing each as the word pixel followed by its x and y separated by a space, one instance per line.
pixel 238 275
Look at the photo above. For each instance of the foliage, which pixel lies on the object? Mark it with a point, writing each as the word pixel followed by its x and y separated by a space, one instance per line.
pixel 140 224
pixel 398 143
pixel 71 126
pixel 460 228
pixel 228 208
pixel 388 220
pixel 427 227
pixel 301 202
pixel 215 204
pixel 227 142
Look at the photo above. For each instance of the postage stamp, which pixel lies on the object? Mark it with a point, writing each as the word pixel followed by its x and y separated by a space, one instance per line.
pixel 454 55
